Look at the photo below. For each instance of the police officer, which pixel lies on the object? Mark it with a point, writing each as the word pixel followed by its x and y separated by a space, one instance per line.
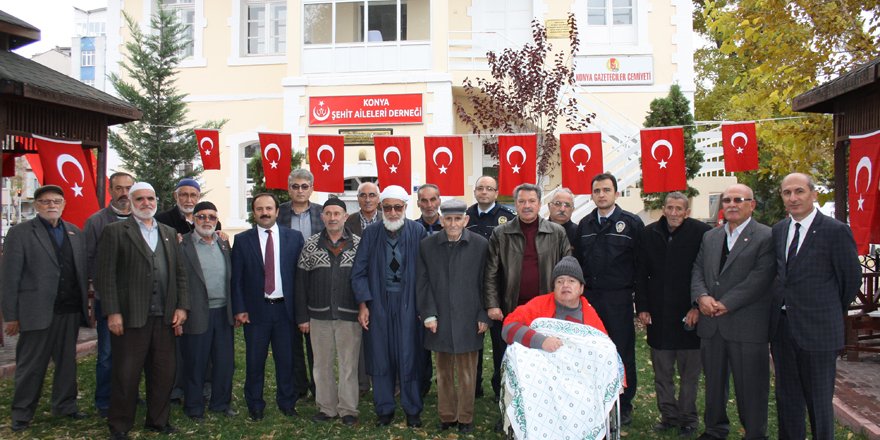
pixel 606 245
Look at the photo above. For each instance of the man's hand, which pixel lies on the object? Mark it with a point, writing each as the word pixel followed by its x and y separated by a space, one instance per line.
pixel 179 238
pixel 223 236
pixel 241 319
pixel 432 326
pixel 720 308
pixel 482 327
pixel 114 324
pixel 178 320
pixel 304 327
pixel 645 318
pixel 692 317
pixel 707 305
pixel 495 314
pixel 551 344
pixel 11 328
pixel 364 316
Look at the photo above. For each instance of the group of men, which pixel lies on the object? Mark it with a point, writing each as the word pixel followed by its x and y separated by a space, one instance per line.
pixel 362 300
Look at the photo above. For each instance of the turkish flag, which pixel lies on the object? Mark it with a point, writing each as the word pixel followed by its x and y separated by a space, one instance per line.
pixel 864 212
pixel 444 164
pixel 327 162
pixel 64 164
pixel 663 159
pixel 740 147
pixel 393 161
pixel 275 148
pixel 517 161
pixel 581 160
pixel 209 143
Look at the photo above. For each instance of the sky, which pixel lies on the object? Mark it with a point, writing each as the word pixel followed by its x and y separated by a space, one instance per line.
pixel 54 18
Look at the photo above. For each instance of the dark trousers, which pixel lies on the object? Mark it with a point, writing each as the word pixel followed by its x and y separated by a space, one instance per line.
pixel 498 348
pixel 804 384
pixel 681 410
pixel 615 309
pixel 32 354
pixel 149 349
pixel 303 363
pixel 276 330
pixel 103 361
pixel 750 365
pixel 411 381
pixel 214 345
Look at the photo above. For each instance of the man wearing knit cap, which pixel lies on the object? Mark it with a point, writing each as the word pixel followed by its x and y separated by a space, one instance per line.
pixel 326 311
pixel 450 304
pixel 142 282
pixel 208 331
pixel 180 216
pixel 384 281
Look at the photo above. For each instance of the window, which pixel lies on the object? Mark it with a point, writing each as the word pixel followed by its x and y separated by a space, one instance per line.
pixel 371 21
pixel 89 82
pixel 185 13
pixel 87 58
pixel 611 21
pixel 266 27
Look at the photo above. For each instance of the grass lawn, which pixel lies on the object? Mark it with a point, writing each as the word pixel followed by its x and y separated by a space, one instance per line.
pixel 276 426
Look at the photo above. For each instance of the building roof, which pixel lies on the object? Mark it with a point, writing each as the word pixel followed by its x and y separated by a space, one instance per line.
pixel 20 32
pixel 821 99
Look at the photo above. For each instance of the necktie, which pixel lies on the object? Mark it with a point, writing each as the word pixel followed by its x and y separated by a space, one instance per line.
pixel 602 221
pixel 724 252
pixel 793 247
pixel 269 264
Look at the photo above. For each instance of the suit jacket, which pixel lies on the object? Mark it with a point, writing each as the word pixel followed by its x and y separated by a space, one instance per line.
pixel 93 228
pixel 197 319
pixel 31 270
pixel 174 217
pixel 285 214
pixel 354 222
pixel 248 279
pixel 818 284
pixel 125 271
pixel 743 285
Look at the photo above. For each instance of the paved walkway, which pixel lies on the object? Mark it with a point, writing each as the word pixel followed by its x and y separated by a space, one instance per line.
pixel 856 400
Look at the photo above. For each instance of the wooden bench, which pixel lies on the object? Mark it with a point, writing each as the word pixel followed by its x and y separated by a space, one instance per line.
pixel 862 323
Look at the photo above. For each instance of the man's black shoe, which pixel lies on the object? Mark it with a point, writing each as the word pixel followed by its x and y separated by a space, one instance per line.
pixel 626 418
pixel 289 412
pixel 687 431
pixel 167 429
pixel 77 415
pixel 465 428
pixel 413 421
pixel 446 425
pixel 384 419
pixel 20 425
pixel 321 417
pixel 115 435
pixel 256 414
pixel 663 427
pixel 349 420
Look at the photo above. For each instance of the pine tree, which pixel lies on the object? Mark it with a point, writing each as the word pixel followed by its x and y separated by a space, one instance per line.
pixel 674 110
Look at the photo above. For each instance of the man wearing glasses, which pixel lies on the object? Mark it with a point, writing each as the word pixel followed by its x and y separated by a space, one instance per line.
pixel 368 200
pixel 180 216
pixel 731 283
pixel 485 215
pixel 561 207
pixel 384 282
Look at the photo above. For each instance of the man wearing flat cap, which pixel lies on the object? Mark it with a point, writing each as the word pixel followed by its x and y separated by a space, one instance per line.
pixel 384 282
pixel 208 331
pixel 44 301
pixel 327 312
pixel 450 304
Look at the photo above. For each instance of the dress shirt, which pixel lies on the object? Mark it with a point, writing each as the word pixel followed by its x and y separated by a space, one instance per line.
pixel 150 234
pixel 805 226
pixel 301 222
pixel 276 240
pixel 732 236
pixel 481 212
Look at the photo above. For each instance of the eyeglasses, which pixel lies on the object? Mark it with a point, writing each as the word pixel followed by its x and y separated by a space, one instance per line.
pixel 485 188
pixel 204 217
pixel 735 200
pixel 297 187
pixel 389 208
pixel 47 202
pixel 367 195
pixel 559 204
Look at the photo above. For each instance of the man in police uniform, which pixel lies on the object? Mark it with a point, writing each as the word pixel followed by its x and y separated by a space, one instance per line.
pixel 483 217
pixel 607 239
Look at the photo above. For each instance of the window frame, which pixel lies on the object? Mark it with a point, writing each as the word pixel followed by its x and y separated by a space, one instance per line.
pixel 364 26
pixel 198 28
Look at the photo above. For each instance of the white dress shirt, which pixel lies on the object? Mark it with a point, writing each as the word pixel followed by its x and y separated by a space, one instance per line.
pixel 732 236
pixel 805 226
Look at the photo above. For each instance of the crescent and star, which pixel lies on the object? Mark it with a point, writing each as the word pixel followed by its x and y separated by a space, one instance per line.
pixel 324 165
pixel 202 145
pixel 448 152
pixel 520 150
pixel 661 143
pixel 270 147
pixel 737 135
pixel 59 164
pixel 391 149
pixel 864 162
pixel 580 147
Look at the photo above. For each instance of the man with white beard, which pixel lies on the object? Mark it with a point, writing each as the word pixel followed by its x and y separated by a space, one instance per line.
pixel 384 282
pixel 144 297
pixel 187 193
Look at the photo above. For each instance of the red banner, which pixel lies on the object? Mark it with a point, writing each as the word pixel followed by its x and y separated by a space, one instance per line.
pixel 663 159
pixel 209 147
pixel 740 147
pixel 9 164
pixel 365 109
pixel 864 212
pixel 393 161
pixel 444 164
pixel 275 148
pixel 64 164
pixel 327 162
pixel 581 160
pixel 517 161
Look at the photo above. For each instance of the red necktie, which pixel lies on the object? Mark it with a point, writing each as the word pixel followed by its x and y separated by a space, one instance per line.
pixel 269 264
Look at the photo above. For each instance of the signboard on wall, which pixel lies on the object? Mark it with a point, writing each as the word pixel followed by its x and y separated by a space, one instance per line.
pixel 365 109
pixel 614 70
pixel 557 28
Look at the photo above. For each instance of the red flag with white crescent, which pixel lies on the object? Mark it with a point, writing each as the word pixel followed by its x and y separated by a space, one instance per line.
pixel 517 161
pixel 393 161
pixel 444 164
pixel 581 155
pixel 327 162
pixel 209 147
pixel 64 164
pixel 663 166
pixel 864 175
pixel 275 148
pixel 740 147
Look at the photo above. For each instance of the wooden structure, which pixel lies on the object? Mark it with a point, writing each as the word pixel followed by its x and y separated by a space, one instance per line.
pixel 854 100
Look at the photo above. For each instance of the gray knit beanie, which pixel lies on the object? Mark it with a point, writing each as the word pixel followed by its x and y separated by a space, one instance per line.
pixel 568 266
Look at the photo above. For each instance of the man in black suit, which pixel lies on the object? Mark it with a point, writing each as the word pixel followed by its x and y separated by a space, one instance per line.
pixel 44 298
pixel 818 276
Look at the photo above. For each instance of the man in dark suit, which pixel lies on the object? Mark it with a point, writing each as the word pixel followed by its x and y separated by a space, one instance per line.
pixel 263 281
pixel 369 213
pixel 187 193
pixel 731 282
pixel 208 331
pixel 144 297
pixel 817 276
pixel 45 298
